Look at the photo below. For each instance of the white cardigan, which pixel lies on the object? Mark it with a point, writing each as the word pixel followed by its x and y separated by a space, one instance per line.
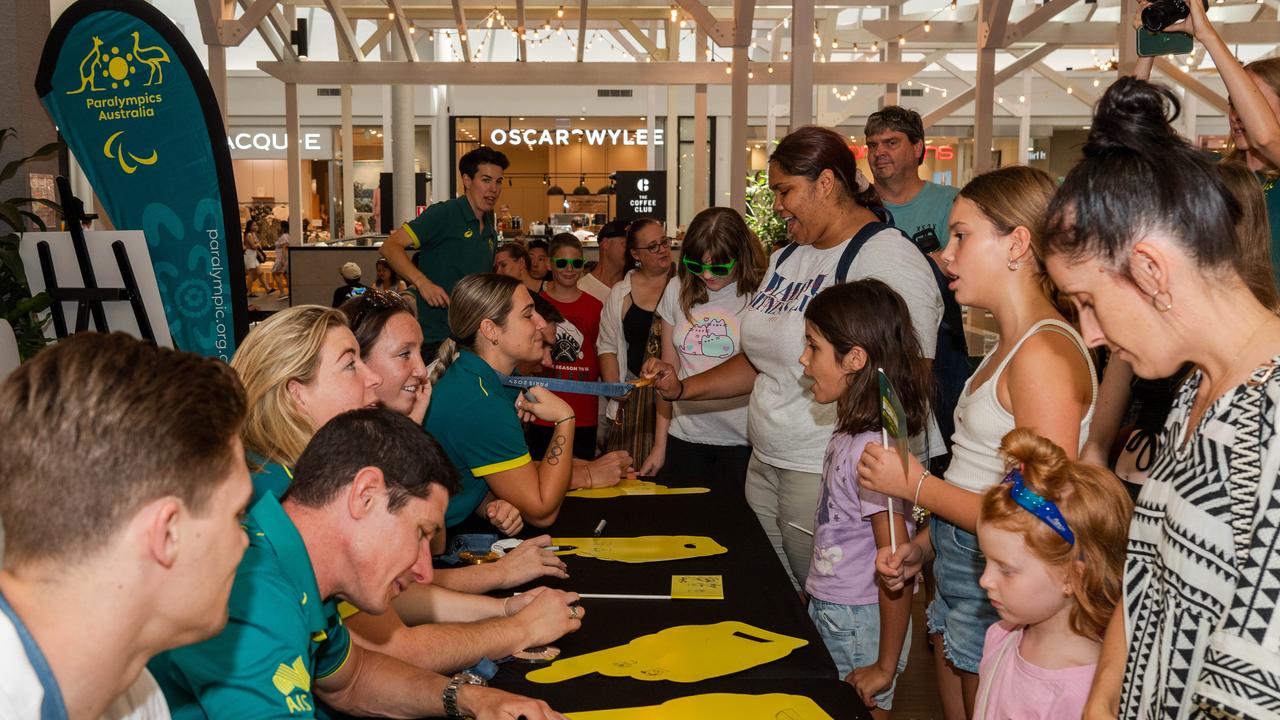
pixel 611 339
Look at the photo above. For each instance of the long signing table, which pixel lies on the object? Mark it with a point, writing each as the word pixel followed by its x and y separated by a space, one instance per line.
pixel 757 591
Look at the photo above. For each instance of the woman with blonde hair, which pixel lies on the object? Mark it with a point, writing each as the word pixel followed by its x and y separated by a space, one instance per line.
pixel 493 327
pixel 300 368
pixel 1039 376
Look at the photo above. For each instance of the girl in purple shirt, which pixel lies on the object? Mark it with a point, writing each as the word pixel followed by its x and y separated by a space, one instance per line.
pixel 850 331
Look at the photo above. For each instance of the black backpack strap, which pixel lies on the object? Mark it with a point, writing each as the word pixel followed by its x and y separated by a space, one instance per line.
pixel 783 254
pixel 855 245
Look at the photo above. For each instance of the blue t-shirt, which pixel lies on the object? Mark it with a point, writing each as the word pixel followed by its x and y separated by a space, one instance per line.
pixel 925 217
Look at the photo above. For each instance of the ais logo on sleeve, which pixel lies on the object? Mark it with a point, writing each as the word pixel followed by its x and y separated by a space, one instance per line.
pixel 294 683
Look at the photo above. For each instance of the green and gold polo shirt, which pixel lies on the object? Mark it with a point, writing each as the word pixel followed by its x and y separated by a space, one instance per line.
pixel 280 635
pixel 454 244
pixel 273 478
pixel 473 417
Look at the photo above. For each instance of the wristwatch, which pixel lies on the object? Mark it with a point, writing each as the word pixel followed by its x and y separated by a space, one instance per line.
pixel 451 692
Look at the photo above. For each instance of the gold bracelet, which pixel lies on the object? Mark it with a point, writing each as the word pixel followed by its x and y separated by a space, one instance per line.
pixel 920 484
pixel 563 420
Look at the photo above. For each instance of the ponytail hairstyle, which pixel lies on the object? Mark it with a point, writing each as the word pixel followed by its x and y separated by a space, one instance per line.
pixel 722 234
pixel 870 315
pixel 284 347
pixel 1253 232
pixel 1137 177
pixel 1013 197
pixel 1096 507
pixel 476 298
pixel 811 149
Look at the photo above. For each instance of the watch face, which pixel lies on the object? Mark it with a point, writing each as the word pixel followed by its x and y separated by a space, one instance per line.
pixel 469 678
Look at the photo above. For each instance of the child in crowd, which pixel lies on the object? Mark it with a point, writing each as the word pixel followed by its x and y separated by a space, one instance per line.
pixel 1039 376
pixel 701 312
pixel 1054 533
pixel 850 331
pixel 573 353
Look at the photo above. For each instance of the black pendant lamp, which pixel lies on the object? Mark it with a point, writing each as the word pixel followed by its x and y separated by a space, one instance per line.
pixel 582 188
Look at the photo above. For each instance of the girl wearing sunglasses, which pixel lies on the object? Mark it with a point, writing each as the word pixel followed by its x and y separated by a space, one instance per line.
pixel 573 354
pixel 701 314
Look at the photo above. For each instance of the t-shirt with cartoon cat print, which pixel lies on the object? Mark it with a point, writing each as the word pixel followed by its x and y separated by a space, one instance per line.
pixel 711 337
pixel 843 568
pixel 573 357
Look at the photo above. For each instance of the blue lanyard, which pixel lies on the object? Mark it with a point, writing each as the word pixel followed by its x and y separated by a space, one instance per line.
pixel 52 707
pixel 559 385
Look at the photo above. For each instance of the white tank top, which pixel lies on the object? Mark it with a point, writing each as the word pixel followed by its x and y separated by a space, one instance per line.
pixel 981 422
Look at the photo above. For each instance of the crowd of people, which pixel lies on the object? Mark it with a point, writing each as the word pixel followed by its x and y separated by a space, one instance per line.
pixel 257 539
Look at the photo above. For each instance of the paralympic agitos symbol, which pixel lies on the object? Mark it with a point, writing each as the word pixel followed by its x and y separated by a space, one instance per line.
pixel 118 152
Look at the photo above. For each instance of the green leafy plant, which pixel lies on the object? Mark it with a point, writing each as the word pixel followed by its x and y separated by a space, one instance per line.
pixel 761 218
pixel 17 305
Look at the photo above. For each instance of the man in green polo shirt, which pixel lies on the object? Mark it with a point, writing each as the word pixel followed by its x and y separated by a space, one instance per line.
pixel 454 239
pixel 368 493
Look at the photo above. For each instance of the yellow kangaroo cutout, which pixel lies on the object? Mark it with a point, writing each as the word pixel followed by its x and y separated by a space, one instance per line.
pixel 154 55
pixel 687 653
pixel 89 69
pixel 634 487
pixel 771 706
pixel 646 548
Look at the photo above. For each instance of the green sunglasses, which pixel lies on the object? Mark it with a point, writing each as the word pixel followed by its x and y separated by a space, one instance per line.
pixel 562 263
pixel 718 269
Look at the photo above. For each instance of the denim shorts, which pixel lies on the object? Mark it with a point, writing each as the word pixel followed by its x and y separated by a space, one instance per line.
pixel 960 611
pixel 852 636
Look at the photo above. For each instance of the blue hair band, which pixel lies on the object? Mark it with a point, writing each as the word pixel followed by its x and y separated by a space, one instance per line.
pixel 1039 506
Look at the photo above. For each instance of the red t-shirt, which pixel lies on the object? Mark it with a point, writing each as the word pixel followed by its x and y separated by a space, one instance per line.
pixel 574 355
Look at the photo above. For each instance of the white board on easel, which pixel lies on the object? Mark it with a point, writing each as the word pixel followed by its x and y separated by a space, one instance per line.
pixel 107 274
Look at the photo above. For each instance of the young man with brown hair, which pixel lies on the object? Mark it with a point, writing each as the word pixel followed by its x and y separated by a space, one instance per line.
pixel 122 482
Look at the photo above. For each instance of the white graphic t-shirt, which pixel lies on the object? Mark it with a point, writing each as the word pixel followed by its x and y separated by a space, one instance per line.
pixel 787 428
pixel 711 337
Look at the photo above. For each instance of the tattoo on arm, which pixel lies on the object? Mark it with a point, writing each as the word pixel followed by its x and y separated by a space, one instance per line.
pixel 555 451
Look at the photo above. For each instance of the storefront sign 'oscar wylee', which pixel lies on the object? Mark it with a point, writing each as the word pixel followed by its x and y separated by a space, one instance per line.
pixel 134 105
pixel 641 193
pixel 563 136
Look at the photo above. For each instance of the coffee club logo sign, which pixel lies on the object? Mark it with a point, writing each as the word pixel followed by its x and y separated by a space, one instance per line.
pixel 563 136
pixel 132 101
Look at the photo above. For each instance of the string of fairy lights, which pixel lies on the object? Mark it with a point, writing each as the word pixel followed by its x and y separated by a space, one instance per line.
pixel 553 27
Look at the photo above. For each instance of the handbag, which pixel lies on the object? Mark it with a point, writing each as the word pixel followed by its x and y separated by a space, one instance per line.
pixel 634 425
pixel 262 257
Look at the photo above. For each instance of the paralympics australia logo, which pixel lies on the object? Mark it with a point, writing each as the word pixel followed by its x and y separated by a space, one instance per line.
pixel 121 82
pixel 294 683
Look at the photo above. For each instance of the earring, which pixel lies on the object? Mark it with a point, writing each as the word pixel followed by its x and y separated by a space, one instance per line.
pixel 1013 264
pixel 1157 303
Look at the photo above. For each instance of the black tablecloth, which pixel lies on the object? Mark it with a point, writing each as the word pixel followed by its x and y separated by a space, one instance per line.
pixel 756 589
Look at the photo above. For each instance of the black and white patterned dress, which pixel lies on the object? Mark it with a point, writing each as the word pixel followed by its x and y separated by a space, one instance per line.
pixel 1202 575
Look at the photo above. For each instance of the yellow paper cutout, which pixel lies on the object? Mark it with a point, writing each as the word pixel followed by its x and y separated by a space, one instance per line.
pixel 646 548
pixel 772 706
pixel 697 587
pixel 688 653
pixel 632 486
